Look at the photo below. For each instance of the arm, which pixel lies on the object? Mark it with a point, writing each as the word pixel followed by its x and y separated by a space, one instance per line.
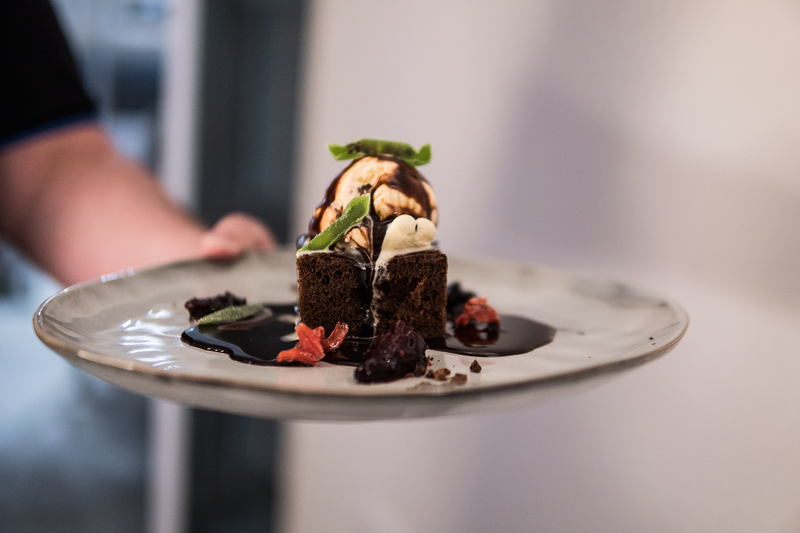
pixel 79 210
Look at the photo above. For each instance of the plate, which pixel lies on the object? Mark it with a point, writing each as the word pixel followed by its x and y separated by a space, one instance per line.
pixel 125 329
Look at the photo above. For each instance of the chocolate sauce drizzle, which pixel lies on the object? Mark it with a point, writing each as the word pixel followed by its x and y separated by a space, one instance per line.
pixel 258 340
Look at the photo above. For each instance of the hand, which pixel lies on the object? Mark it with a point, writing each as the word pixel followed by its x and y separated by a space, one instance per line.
pixel 233 234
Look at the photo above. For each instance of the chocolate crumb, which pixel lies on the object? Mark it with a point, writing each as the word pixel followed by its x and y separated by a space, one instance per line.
pixel 460 379
pixel 200 307
pixel 419 371
pixel 475 367
pixel 441 374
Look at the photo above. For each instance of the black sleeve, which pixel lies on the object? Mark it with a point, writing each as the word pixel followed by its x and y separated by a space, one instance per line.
pixel 40 86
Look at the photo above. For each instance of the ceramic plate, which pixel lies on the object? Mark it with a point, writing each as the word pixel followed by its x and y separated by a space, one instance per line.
pixel 126 329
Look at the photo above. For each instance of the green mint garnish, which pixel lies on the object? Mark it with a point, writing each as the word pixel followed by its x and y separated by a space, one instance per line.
pixel 230 314
pixel 374 147
pixel 422 157
pixel 354 213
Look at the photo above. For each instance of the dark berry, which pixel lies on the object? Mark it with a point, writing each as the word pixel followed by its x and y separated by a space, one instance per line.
pixel 393 355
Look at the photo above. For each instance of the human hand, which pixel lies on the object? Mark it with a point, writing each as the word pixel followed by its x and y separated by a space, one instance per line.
pixel 234 234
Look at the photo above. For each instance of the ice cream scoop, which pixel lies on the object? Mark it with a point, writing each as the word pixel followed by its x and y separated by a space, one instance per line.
pixel 395 187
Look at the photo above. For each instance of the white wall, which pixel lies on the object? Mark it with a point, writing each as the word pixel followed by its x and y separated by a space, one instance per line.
pixel 654 143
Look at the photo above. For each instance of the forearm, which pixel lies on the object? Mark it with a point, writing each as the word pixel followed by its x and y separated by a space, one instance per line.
pixel 80 210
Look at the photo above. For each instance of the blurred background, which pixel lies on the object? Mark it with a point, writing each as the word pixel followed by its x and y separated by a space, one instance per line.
pixel 654 144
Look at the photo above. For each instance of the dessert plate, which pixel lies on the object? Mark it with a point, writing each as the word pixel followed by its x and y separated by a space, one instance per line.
pixel 125 329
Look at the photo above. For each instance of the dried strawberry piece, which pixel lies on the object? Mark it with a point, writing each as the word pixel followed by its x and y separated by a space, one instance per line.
pixel 312 345
pixel 478 310
pixel 308 349
pixel 336 337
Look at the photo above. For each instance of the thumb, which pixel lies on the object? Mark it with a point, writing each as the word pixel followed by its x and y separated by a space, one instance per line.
pixel 233 234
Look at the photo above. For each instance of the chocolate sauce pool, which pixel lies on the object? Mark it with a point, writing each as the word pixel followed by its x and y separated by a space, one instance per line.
pixel 258 340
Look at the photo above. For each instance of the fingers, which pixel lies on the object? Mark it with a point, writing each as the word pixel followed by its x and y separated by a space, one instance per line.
pixel 233 234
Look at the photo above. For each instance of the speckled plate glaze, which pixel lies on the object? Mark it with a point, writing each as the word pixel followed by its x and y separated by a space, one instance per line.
pixel 125 329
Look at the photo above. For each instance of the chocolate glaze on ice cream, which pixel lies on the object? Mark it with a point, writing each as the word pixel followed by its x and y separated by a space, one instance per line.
pixel 396 188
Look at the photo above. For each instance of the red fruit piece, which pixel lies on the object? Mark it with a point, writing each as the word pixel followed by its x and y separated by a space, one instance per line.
pixel 308 349
pixel 336 337
pixel 312 344
pixel 478 310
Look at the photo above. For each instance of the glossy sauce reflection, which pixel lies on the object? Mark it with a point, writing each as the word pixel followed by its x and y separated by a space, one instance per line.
pixel 258 340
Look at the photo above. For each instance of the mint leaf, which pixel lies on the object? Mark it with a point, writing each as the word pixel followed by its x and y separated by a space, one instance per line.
pixel 422 157
pixel 401 150
pixel 374 147
pixel 230 314
pixel 340 152
pixel 354 213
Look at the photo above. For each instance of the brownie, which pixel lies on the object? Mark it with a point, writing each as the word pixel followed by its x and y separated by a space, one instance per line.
pixel 412 288
pixel 332 288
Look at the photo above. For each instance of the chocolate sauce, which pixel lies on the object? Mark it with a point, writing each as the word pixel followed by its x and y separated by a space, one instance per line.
pixel 258 340
pixel 365 273
pixel 515 335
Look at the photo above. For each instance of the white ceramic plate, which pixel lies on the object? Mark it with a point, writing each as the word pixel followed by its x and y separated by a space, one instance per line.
pixel 126 330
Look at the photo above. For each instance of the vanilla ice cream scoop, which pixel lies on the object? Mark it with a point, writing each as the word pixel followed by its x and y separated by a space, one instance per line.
pixel 396 188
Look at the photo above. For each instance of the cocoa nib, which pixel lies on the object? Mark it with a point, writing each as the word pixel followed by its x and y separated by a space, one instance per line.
pixel 200 307
pixel 393 354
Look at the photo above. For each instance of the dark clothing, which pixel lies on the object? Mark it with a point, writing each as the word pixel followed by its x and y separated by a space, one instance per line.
pixel 40 86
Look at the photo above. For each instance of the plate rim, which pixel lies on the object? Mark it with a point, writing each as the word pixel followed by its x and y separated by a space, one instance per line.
pixel 71 351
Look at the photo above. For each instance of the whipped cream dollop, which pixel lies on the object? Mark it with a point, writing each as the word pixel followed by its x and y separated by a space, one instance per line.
pixel 406 235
